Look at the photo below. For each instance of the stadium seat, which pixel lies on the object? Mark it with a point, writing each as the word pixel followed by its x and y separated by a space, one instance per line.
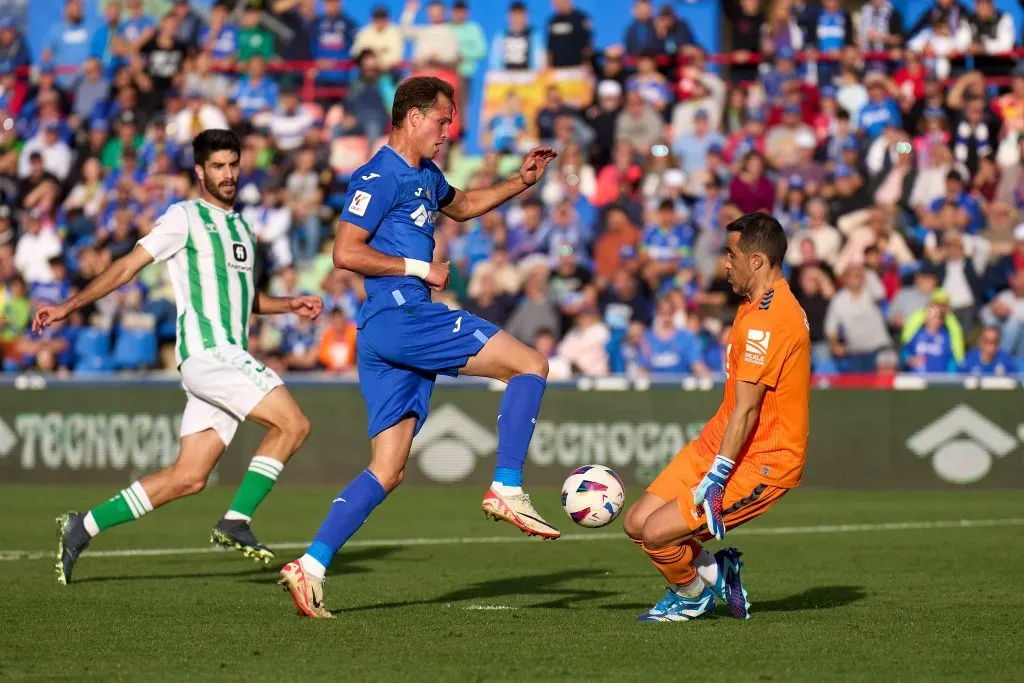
pixel 134 349
pixel 92 350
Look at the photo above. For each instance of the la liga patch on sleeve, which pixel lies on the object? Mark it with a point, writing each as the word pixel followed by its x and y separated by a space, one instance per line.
pixel 360 200
pixel 756 350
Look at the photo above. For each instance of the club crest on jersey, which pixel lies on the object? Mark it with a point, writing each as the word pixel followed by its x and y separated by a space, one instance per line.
pixel 756 350
pixel 239 251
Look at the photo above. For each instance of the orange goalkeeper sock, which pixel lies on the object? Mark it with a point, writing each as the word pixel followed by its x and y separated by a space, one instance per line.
pixel 675 562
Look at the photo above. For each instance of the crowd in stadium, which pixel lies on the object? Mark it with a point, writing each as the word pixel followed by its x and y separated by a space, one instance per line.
pixel 891 153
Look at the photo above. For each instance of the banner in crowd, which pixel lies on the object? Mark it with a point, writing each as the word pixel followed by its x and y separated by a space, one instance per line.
pixel 860 439
pixel 528 89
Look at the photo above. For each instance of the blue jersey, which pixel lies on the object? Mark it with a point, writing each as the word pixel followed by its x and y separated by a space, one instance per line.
pixel 934 348
pixel 675 355
pixel 968 204
pixel 255 97
pixel 875 117
pixel 225 45
pixel 1002 364
pixel 667 246
pixel 832 31
pixel 397 205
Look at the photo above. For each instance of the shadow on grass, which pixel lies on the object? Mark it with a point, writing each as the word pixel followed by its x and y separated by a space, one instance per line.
pixel 253 573
pixel 534 585
pixel 819 597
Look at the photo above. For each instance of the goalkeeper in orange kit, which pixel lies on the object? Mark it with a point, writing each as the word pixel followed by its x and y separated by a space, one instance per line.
pixel 750 453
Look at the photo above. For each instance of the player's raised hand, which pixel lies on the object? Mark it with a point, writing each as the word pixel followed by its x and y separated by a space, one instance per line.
pixel 711 491
pixel 535 163
pixel 437 278
pixel 308 307
pixel 47 315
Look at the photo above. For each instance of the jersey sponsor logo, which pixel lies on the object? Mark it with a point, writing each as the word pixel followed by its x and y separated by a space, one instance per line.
pixel 756 350
pixel 422 216
pixel 371 176
pixel 360 200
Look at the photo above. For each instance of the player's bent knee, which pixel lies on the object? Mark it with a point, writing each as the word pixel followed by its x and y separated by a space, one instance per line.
pixel 633 524
pixel 389 478
pixel 654 538
pixel 189 482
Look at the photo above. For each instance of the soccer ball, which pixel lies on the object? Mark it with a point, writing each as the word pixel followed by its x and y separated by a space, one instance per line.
pixel 592 495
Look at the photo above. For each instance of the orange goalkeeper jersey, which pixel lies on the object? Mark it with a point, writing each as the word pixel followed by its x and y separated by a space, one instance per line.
pixel 769 344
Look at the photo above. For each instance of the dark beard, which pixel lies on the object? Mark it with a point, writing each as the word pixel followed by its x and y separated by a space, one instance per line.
pixel 217 194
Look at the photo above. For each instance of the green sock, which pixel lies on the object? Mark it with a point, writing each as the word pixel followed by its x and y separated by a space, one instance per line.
pixel 256 484
pixel 129 504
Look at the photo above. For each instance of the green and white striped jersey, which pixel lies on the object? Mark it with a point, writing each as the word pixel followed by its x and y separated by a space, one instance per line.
pixel 210 255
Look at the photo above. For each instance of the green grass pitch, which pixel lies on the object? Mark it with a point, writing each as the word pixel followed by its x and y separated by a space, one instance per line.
pixel 867 603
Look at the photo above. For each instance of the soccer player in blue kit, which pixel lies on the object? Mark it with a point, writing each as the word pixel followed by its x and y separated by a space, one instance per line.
pixel 386 234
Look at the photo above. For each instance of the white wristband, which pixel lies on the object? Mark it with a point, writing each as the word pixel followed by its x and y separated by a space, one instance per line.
pixel 416 268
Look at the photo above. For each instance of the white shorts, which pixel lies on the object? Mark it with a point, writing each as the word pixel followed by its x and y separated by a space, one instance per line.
pixel 223 385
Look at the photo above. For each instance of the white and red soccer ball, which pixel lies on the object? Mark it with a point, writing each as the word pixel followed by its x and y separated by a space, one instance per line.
pixel 592 496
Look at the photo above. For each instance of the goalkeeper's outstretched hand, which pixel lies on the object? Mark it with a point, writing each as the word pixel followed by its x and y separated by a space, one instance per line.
pixel 710 492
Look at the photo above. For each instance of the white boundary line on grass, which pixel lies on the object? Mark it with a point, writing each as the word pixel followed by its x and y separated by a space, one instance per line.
pixel 14 555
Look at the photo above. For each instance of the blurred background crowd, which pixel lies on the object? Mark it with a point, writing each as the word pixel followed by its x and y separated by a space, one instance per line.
pixel 890 151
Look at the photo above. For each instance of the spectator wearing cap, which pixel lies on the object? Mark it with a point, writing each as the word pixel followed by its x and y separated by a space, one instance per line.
pixel 56 154
pixel 746 17
pixel 638 124
pixel 854 325
pixel 989 359
pixel 570 38
pixel 138 28
pixel 691 148
pixel 641 37
pixel 14 53
pixel 383 37
pixel 932 339
pixel 221 38
pixel 1006 313
pixel 650 83
pixel 433 43
pixel 993 33
pixel 880 29
pixel 880 111
pixel 601 117
pixel 673 33
pixel 91 89
pixel 36 246
pixel 68 41
pixel 833 32
pixel 781 144
pixel 197 116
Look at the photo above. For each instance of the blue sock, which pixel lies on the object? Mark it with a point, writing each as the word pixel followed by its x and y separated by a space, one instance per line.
pixel 348 512
pixel 517 418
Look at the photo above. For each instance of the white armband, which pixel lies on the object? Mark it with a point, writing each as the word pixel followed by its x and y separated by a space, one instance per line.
pixel 416 268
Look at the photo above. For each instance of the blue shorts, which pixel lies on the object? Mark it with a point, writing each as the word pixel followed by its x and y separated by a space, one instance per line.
pixel 402 350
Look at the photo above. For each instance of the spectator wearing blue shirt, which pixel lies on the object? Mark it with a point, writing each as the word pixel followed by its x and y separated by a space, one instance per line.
pixel 255 92
pixel 641 38
pixel 956 206
pixel 68 43
pixel 138 28
pixel 691 148
pixel 335 33
pixel 988 359
pixel 667 350
pixel 651 85
pixel 299 345
pixel 833 31
pixel 880 111
pixel 504 130
pixel 14 52
pixel 930 350
pixel 220 38
pixel 665 244
pixel 105 44
pixel 524 237
pixel 563 232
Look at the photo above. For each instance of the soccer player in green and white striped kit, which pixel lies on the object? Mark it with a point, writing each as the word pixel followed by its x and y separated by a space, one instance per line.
pixel 209 251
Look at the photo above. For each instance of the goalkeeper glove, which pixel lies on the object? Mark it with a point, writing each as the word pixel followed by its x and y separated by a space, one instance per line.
pixel 710 492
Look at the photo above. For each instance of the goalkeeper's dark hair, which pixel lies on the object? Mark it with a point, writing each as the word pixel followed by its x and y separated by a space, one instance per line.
pixel 761 232
pixel 214 140
pixel 420 93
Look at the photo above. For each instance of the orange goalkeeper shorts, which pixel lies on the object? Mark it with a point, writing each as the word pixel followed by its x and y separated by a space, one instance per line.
pixel 746 496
